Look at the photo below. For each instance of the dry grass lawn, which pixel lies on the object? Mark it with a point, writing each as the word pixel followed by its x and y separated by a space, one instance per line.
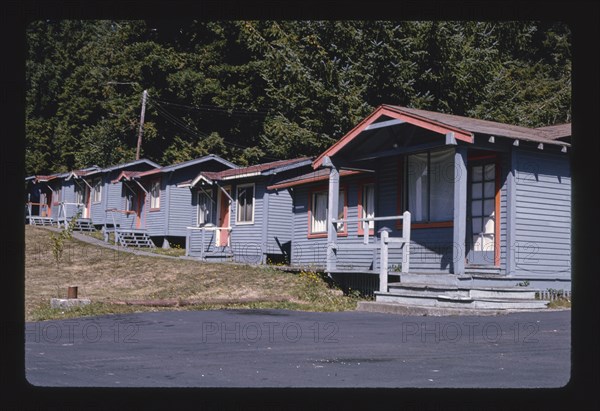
pixel 108 276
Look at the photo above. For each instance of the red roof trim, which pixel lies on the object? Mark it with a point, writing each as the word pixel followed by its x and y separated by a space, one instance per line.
pixel 395 113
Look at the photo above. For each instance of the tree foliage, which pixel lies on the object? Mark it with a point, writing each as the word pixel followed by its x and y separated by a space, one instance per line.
pixel 263 90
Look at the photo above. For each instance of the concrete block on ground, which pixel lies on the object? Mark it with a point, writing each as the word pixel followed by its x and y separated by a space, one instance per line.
pixel 69 302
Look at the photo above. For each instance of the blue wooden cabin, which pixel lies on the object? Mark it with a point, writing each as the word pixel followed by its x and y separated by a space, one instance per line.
pixel 237 217
pixel 153 207
pixel 479 204
pixel 56 198
pixel 44 194
pixel 91 191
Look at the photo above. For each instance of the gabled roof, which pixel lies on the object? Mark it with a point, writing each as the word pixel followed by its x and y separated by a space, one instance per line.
pixel 477 126
pixel 83 172
pixel 556 132
pixel 130 164
pixel 263 169
pixel 129 175
pixel 462 128
pixel 37 178
pixel 41 178
pixel 189 163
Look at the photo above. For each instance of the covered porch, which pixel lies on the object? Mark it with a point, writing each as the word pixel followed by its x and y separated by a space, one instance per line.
pixel 434 221
pixel 418 170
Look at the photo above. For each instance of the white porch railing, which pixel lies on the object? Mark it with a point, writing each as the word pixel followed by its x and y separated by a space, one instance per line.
pixel 385 243
pixel 62 212
pixel 42 210
pixel 203 231
pixel 115 227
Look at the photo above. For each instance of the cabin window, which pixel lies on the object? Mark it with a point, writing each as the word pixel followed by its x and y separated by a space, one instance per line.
pixel 97 191
pixel 319 204
pixel 430 186
pixel 367 204
pixel 245 204
pixel 78 195
pixel 205 208
pixel 129 201
pixel 57 198
pixel 155 195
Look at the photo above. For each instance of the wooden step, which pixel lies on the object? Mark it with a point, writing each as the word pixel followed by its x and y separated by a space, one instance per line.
pixel 133 238
pixel 84 224
pixel 43 221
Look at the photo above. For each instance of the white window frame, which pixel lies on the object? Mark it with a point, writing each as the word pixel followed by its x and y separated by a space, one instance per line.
pixel 313 209
pixel 57 197
pixel 210 210
pixel 237 203
pixel 129 201
pixel 365 187
pixel 423 207
pixel 97 191
pixel 341 227
pixel 79 194
pixel 154 198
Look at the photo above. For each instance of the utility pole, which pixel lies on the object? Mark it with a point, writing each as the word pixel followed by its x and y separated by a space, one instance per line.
pixel 139 142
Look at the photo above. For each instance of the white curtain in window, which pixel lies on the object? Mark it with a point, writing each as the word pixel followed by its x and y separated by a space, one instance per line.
pixel 155 195
pixel 441 185
pixel 369 204
pixel 417 175
pixel 340 216
pixel 245 197
pixel 204 209
pixel 319 212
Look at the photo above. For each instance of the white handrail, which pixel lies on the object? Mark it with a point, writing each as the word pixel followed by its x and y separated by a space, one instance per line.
pixel 62 209
pixel 202 229
pixel 209 228
pixel 366 222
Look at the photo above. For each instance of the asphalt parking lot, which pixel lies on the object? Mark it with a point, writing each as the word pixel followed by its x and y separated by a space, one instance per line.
pixel 278 348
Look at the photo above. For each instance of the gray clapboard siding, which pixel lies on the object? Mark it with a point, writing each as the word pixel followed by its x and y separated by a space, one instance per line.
pixel 182 212
pixel 279 225
pixel 246 239
pixel 543 215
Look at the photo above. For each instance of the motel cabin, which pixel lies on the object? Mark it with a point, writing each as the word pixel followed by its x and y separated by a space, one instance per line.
pixel 429 208
pixel 239 218
pixel 44 194
pixel 57 198
pixel 91 192
pixel 153 207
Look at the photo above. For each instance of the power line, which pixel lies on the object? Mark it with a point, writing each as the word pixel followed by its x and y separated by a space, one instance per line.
pixel 261 112
pixel 194 132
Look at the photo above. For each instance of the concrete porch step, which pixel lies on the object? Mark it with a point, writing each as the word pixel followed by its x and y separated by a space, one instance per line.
pixel 474 269
pixel 427 289
pixel 449 300
pixel 412 310
pixel 520 293
pixel 433 278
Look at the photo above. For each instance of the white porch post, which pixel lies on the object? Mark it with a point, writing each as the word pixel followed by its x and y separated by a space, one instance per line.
pixel 383 266
pixel 332 211
pixel 460 210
